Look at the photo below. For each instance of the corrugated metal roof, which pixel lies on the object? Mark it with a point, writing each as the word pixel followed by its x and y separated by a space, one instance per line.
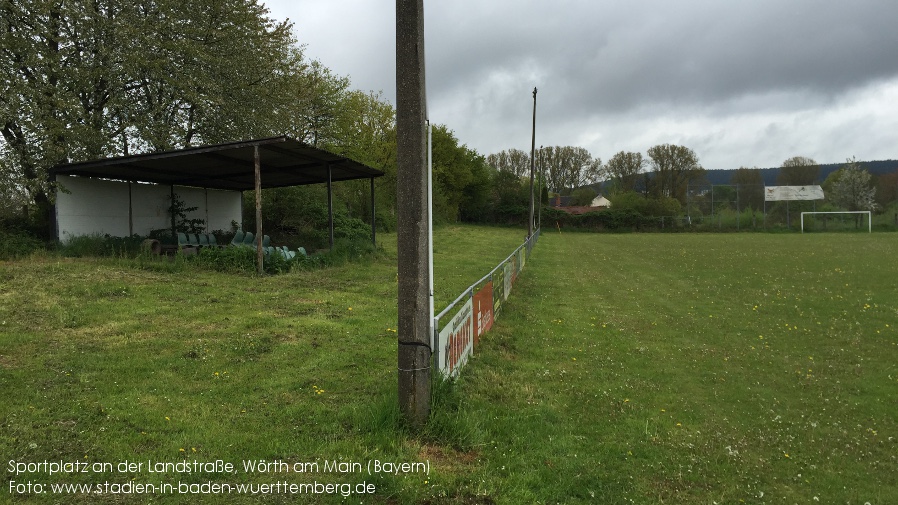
pixel 284 162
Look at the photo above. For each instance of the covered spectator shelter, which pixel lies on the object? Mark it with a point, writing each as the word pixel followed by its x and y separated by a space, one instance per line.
pixel 227 169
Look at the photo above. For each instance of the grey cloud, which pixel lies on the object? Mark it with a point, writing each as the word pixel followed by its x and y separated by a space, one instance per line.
pixel 720 74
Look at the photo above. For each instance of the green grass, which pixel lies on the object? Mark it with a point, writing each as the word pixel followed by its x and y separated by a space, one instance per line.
pixel 623 369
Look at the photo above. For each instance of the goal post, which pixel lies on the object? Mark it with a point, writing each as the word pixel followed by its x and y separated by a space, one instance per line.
pixel 867 212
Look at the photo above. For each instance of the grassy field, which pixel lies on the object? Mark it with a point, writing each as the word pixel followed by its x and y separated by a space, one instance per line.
pixel 637 368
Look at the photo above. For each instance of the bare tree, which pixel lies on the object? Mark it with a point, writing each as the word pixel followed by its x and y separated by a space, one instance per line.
pixel 569 167
pixel 514 161
pixel 623 171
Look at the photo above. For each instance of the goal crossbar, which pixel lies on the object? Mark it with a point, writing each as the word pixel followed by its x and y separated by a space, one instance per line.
pixel 867 212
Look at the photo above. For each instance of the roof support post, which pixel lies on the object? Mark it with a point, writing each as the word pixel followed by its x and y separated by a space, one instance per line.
pixel 257 165
pixel 373 220
pixel 414 346
pixel 330 205
pixel 171 210
pixel 130 211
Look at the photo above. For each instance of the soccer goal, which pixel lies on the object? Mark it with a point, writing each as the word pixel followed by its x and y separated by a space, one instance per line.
pixel 867 212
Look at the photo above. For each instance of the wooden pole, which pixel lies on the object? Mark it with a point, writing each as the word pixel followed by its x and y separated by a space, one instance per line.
pixel 330 206
pixel 414 345
pixel 260 258
pixel 532 164
pixel 373 220
pixel 174 228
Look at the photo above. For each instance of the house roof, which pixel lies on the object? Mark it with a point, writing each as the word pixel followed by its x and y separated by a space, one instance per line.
pixel 284 162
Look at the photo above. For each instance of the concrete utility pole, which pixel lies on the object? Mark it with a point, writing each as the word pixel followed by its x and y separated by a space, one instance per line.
pixel 412 207
pixel 532 163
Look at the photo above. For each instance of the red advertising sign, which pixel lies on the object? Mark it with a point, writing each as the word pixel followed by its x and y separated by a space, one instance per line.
pixel 483 311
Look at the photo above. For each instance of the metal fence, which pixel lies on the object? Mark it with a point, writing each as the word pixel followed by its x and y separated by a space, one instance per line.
pixel 475 310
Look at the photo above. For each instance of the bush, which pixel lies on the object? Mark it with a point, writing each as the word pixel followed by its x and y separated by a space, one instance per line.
pixel 101 245
pixel 344 251
pixel 239 260
pixel 17 244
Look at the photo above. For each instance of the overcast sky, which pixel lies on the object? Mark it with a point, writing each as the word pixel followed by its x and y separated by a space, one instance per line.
pixel 742 83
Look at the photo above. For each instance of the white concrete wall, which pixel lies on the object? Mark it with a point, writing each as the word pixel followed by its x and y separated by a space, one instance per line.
pixel 92 206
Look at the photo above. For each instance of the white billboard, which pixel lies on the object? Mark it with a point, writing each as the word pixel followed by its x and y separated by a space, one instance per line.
pixel 785 193
pixel 456 342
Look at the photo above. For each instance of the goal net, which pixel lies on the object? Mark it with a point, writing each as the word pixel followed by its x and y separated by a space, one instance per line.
pixel 832 221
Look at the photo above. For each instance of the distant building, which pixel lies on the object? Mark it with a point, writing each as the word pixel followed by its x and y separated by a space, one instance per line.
pixel 599 203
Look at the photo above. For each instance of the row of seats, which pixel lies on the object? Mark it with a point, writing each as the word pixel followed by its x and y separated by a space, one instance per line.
pixel 197 240
pixel 249 239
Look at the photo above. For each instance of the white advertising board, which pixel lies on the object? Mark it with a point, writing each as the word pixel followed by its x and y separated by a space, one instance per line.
pixel 786 193
pixel 456 342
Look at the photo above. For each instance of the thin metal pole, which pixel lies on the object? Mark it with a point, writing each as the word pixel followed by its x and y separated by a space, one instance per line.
pixel 532 164
pixel 414 336
pixel 430 224
pixel 257 165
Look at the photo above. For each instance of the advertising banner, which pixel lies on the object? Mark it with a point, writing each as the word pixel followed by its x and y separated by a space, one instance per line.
pixel 792 193
pixel 456 342
pixel 483 311
pixel 510 273
pixel 498 283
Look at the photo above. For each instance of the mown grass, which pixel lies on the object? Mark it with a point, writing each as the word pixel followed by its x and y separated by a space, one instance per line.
pixel 623 369
pixel 694 369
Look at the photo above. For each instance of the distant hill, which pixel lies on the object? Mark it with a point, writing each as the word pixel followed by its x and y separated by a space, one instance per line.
pixel 769 174
pixel 720 176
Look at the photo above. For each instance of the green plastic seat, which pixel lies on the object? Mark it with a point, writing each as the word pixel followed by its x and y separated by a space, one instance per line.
pixel 238 238
pixel 249 239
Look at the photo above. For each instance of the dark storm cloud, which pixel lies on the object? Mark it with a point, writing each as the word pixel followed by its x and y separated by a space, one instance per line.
pixel 628 75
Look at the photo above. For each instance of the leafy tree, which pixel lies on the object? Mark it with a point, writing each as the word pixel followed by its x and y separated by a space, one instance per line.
pixel 750 185
pixel 511 198
pixel 319 107
pixel 363 128
pixel 456 170
pixel 887 189
pixel 82 80
pixel 852 188
pixel 582 196
pixel 674 168
pixel 798 171
pixel 633 201
pixel 623 171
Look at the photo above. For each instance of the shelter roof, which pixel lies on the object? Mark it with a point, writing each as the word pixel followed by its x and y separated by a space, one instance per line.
pixel 284 162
